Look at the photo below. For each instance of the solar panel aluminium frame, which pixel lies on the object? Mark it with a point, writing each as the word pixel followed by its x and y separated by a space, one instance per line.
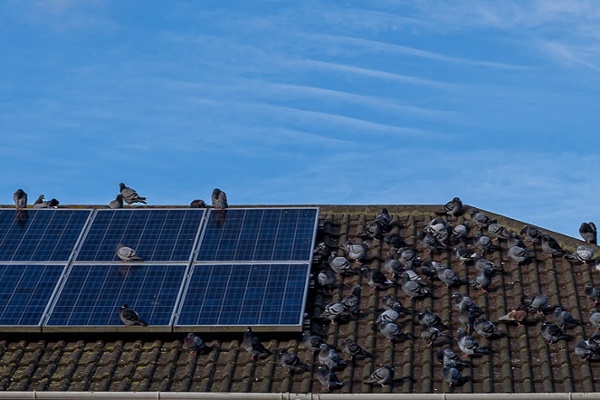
pixel 177 327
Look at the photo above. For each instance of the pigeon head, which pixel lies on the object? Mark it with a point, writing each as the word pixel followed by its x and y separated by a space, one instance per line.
pixel 122 186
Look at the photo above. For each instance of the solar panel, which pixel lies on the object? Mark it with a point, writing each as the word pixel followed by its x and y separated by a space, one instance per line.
pixel 25 291
pixel 92 295
pixel 40 235
pixel 272 234
pixel 244 294
pixel 158 235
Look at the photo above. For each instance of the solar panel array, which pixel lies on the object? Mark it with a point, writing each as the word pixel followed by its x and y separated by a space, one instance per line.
pixel 201 269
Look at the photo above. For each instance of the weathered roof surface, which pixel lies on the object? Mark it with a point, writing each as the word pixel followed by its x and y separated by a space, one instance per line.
pixel 522 361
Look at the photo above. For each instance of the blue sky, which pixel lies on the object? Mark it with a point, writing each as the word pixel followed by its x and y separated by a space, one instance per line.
pixel 306 102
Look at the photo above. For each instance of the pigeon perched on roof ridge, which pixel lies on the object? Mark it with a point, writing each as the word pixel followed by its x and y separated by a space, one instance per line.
pixel 551 246
pixel 116 203
pixel 218 199
pixel 453 208
pixel 130 317
pixel 20 199
pixel 130 196
pixel 588 232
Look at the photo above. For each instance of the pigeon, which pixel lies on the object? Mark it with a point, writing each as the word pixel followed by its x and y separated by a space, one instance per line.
pixel 327 280
pixel 393 266
pixel 219 199
pixel 480 219
pixel 373 231
pixel 312 342
pixel 409 259
pixel 481 263
pixel 384 220
pixel 20 199
pixel 430 334
pixel 514 240
pixel 551 247
pixel 328 378
pixel 485 244
pixel 389 315
pixel 468 345
pixel 520 255
pixel 130 317
pixel 351 302
pixel 464 255
pixel 393 332
pixel 430 269
pixel 340 265
pixel 127 253
pixel 449 277
pixel 531 234
pixel 333 311
pixel 483 280
pixel 465 316
pixel 448 358
pixel 130 196
pixel 376 279
pixel 582 255
pixel 487 329
pixel 453 376
pixel 354 350
pixel 355 252
pixel 42 203
pixel 330 357
pixel 381 376
pixel 460 299
pixel 389 301
pixel 587 230
pixel 460 232
pixel 453 208
pixel 593 293
pixel 594 342
pixel 552 332
pixel 440 229
pixel 429 242
pixel 585 352
pixel 498 231
pixel 594 319
pixel 194 343
pixel 117 202
pixel 518 315
pixel 291 362
pixel 198 203
pixel 252 344
pixel 537 303
pixel 412 288
pixel 429 319
pixel 563 318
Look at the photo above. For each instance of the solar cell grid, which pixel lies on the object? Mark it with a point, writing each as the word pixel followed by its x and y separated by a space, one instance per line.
pixel 43 235
pixel 244 294
pixel 161 235
pixel 280 234
pixel 92 294
pixel 25 291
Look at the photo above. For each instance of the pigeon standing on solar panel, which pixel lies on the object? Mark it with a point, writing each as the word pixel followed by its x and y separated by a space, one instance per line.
pixel 20 199
pixel 127 253
pixel 253 345
pixel 117 202
pixel 219 199
pixel 130 196
pixel 198 204
pixel 130 317
pixel 194 343
pixel 588 232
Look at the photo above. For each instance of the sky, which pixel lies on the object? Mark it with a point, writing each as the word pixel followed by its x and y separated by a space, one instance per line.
pixel 306 102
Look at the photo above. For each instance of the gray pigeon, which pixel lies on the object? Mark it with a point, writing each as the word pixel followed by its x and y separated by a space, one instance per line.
pixel 42 203
pixel 334 312
pixel 531 234
pixel 482 263
pixel 340 265
pixel 464 255
pixel 588 232
pixel 586 352
pixel 384 220
pixel 537 303
pixel 593 293
pixel 354 350
pixel 515 240
pixel 460 232
pixel 448 358
pixel 328 378
pixel 552 332
pixel 219 199
pixel 252 344
pixel 351 302
pixel 130 317
pixel 355 252
pixel 389 301
pixel 498 231
pixel 485 244
pixel 429 242
pixel 327 280
pixel 487 329
pixel 480 219
pixel 551 247
pixel 312 342
pixel 594 319
pixel 453 208
pixel 381 376
pixel 198 203
pixel 330 357
pixel 409 259
pixel 393 266
pixel 376 279
pixel 563 318
pixel 483 280
pixel 520 255
pixel 117 202
pixel 291 362
pixel 468 345
pixel 430 334
pixel 127 253
pixel 393 332
pixel 412 288
pixel 453 376
pixel 130 196
pixel 582 255
pixel 429 319
pixel 20 199
pixel 449 277
pixel 389 315
pixel 194 343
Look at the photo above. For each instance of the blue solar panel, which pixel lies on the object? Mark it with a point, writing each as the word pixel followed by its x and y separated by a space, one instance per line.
pixel 92 294
pixel 156 235
pixel 244 294
pixel 40 235
pixel 273 234
pixel 25 291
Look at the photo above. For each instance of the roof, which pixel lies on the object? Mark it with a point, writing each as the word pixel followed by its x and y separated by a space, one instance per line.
pixel 521 361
